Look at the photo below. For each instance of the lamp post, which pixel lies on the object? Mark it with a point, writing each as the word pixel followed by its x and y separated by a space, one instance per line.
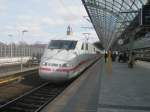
pixel 11 50
pixel 5 49
pixel 23 32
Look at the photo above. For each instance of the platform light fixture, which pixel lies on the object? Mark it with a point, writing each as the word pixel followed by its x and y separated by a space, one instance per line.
pixel 21 65
pixel 11 50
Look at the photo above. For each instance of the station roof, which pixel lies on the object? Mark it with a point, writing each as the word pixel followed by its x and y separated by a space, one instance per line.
pixel 111 17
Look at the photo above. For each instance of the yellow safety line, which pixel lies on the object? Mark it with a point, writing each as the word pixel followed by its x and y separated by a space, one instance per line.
pixel 8 80
pixel 109 62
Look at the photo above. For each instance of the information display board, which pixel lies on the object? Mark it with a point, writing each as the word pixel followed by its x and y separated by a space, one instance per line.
pixel 145 15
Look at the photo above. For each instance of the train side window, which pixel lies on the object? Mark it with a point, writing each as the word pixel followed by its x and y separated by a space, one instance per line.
pixel 86 46
pixel 82 48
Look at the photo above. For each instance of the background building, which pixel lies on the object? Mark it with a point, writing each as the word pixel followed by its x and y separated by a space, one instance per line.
pixel 21 49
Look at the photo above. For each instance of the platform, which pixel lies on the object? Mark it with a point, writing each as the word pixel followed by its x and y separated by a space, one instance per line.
pixel 15 71
pixel 124 90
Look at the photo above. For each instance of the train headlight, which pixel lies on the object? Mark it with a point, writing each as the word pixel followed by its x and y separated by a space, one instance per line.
pixel 66 65
pixel 44 63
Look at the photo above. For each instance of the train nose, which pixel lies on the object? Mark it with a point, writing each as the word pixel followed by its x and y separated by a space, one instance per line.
pixel 53 75
pixel 54 70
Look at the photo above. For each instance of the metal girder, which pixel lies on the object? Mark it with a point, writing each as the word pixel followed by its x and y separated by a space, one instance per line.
pixel 109 16
pixel 103 8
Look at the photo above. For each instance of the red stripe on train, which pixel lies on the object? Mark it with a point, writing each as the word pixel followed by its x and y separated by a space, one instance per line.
pixel 64 69
pixel 45 69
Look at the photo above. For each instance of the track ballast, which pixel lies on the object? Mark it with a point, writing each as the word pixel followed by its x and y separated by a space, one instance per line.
pixel 34 100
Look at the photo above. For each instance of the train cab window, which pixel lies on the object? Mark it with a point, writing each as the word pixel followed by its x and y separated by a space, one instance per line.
pixel 62 44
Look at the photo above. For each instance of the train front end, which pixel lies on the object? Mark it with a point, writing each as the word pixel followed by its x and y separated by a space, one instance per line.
pixel 55 71
pixel 57 61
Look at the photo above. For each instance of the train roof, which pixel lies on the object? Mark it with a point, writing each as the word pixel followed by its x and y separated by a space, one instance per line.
pixel 70 37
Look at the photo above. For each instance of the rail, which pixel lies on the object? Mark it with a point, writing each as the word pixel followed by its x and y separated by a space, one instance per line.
pixel 34 100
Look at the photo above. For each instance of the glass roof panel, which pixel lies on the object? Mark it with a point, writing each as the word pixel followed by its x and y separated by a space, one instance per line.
pixel 111 17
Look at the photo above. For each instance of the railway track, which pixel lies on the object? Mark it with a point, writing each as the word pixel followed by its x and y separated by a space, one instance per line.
pixel 34 100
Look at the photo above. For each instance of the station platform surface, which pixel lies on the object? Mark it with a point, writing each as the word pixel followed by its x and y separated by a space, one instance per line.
pixel 97 90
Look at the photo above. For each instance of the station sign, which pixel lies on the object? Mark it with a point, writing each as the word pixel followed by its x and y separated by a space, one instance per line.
pixel 145 16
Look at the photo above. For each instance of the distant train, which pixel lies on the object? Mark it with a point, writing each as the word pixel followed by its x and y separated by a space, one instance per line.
pixel 64 59
pixel 143 54
pixel 141 49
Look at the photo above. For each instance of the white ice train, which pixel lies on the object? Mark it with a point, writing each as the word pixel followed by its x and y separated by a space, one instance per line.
pixel 64 59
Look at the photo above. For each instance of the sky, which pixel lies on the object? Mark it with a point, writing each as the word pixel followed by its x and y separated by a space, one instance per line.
pixel 43 19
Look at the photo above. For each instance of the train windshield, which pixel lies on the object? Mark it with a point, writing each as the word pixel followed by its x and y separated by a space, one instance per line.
pixel 62 44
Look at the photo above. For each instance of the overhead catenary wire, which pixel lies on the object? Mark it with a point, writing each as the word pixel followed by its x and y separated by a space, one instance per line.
pixel 68 9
